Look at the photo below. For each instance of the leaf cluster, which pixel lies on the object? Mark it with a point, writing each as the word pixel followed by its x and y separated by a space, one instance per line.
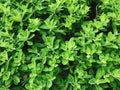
pixel 59 44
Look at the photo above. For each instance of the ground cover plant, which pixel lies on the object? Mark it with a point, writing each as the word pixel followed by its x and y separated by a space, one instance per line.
pixel 59 44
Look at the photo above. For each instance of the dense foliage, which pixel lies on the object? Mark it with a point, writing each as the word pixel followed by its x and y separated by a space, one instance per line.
pixel 59 44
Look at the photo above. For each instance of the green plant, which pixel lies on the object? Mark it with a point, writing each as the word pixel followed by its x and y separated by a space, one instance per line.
pixel 59 45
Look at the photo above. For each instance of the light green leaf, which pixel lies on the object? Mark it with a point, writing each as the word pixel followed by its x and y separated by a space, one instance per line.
pixel 71 44
pixel 100 72
pixel 64 62
pixel 116 73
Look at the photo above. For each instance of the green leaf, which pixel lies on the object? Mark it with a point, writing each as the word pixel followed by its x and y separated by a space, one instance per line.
pixel 34 24
pixel 64 62
pixel 49 84
pixel 56 45
pixel 110 37
pixel 102 81
pixel 30 42
pixel 51 23
pixel 71 44
pixel 100 72
pixel 16 79
pixel 1 7
pixel 23 35
pixel 24 67
pixel 88 50
pixel 44 26
pixel 116 73
pixel 16 15
pixel 6 75
pixel 98 87
pixel 49 40
pixel 69 21
pixel 92 81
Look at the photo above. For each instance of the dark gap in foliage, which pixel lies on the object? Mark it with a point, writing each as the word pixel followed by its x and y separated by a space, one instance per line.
pixel 99 32
pixel 1 14
pixel 64 11
pixel 14 30
pixel 93 10
pixel 25 25
pixel 78 53
pixel 92 69
pixel 62 20
pixel 73 64
pixel 67 36
pixel 63 73
pixel 41 16
pixel 25 47
pixel 59 14
pixel 24 2
pixel 72 67
pixel 76 27
pixel 2 49
pixel 95 56
pixel 59 36
pixel 16 87
pixel 37 37
pixel 10 54
pixel 70 87
pixel 45 3
pixel 38 61
pixel 108 89
pixel 110 28
pixel 15 26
